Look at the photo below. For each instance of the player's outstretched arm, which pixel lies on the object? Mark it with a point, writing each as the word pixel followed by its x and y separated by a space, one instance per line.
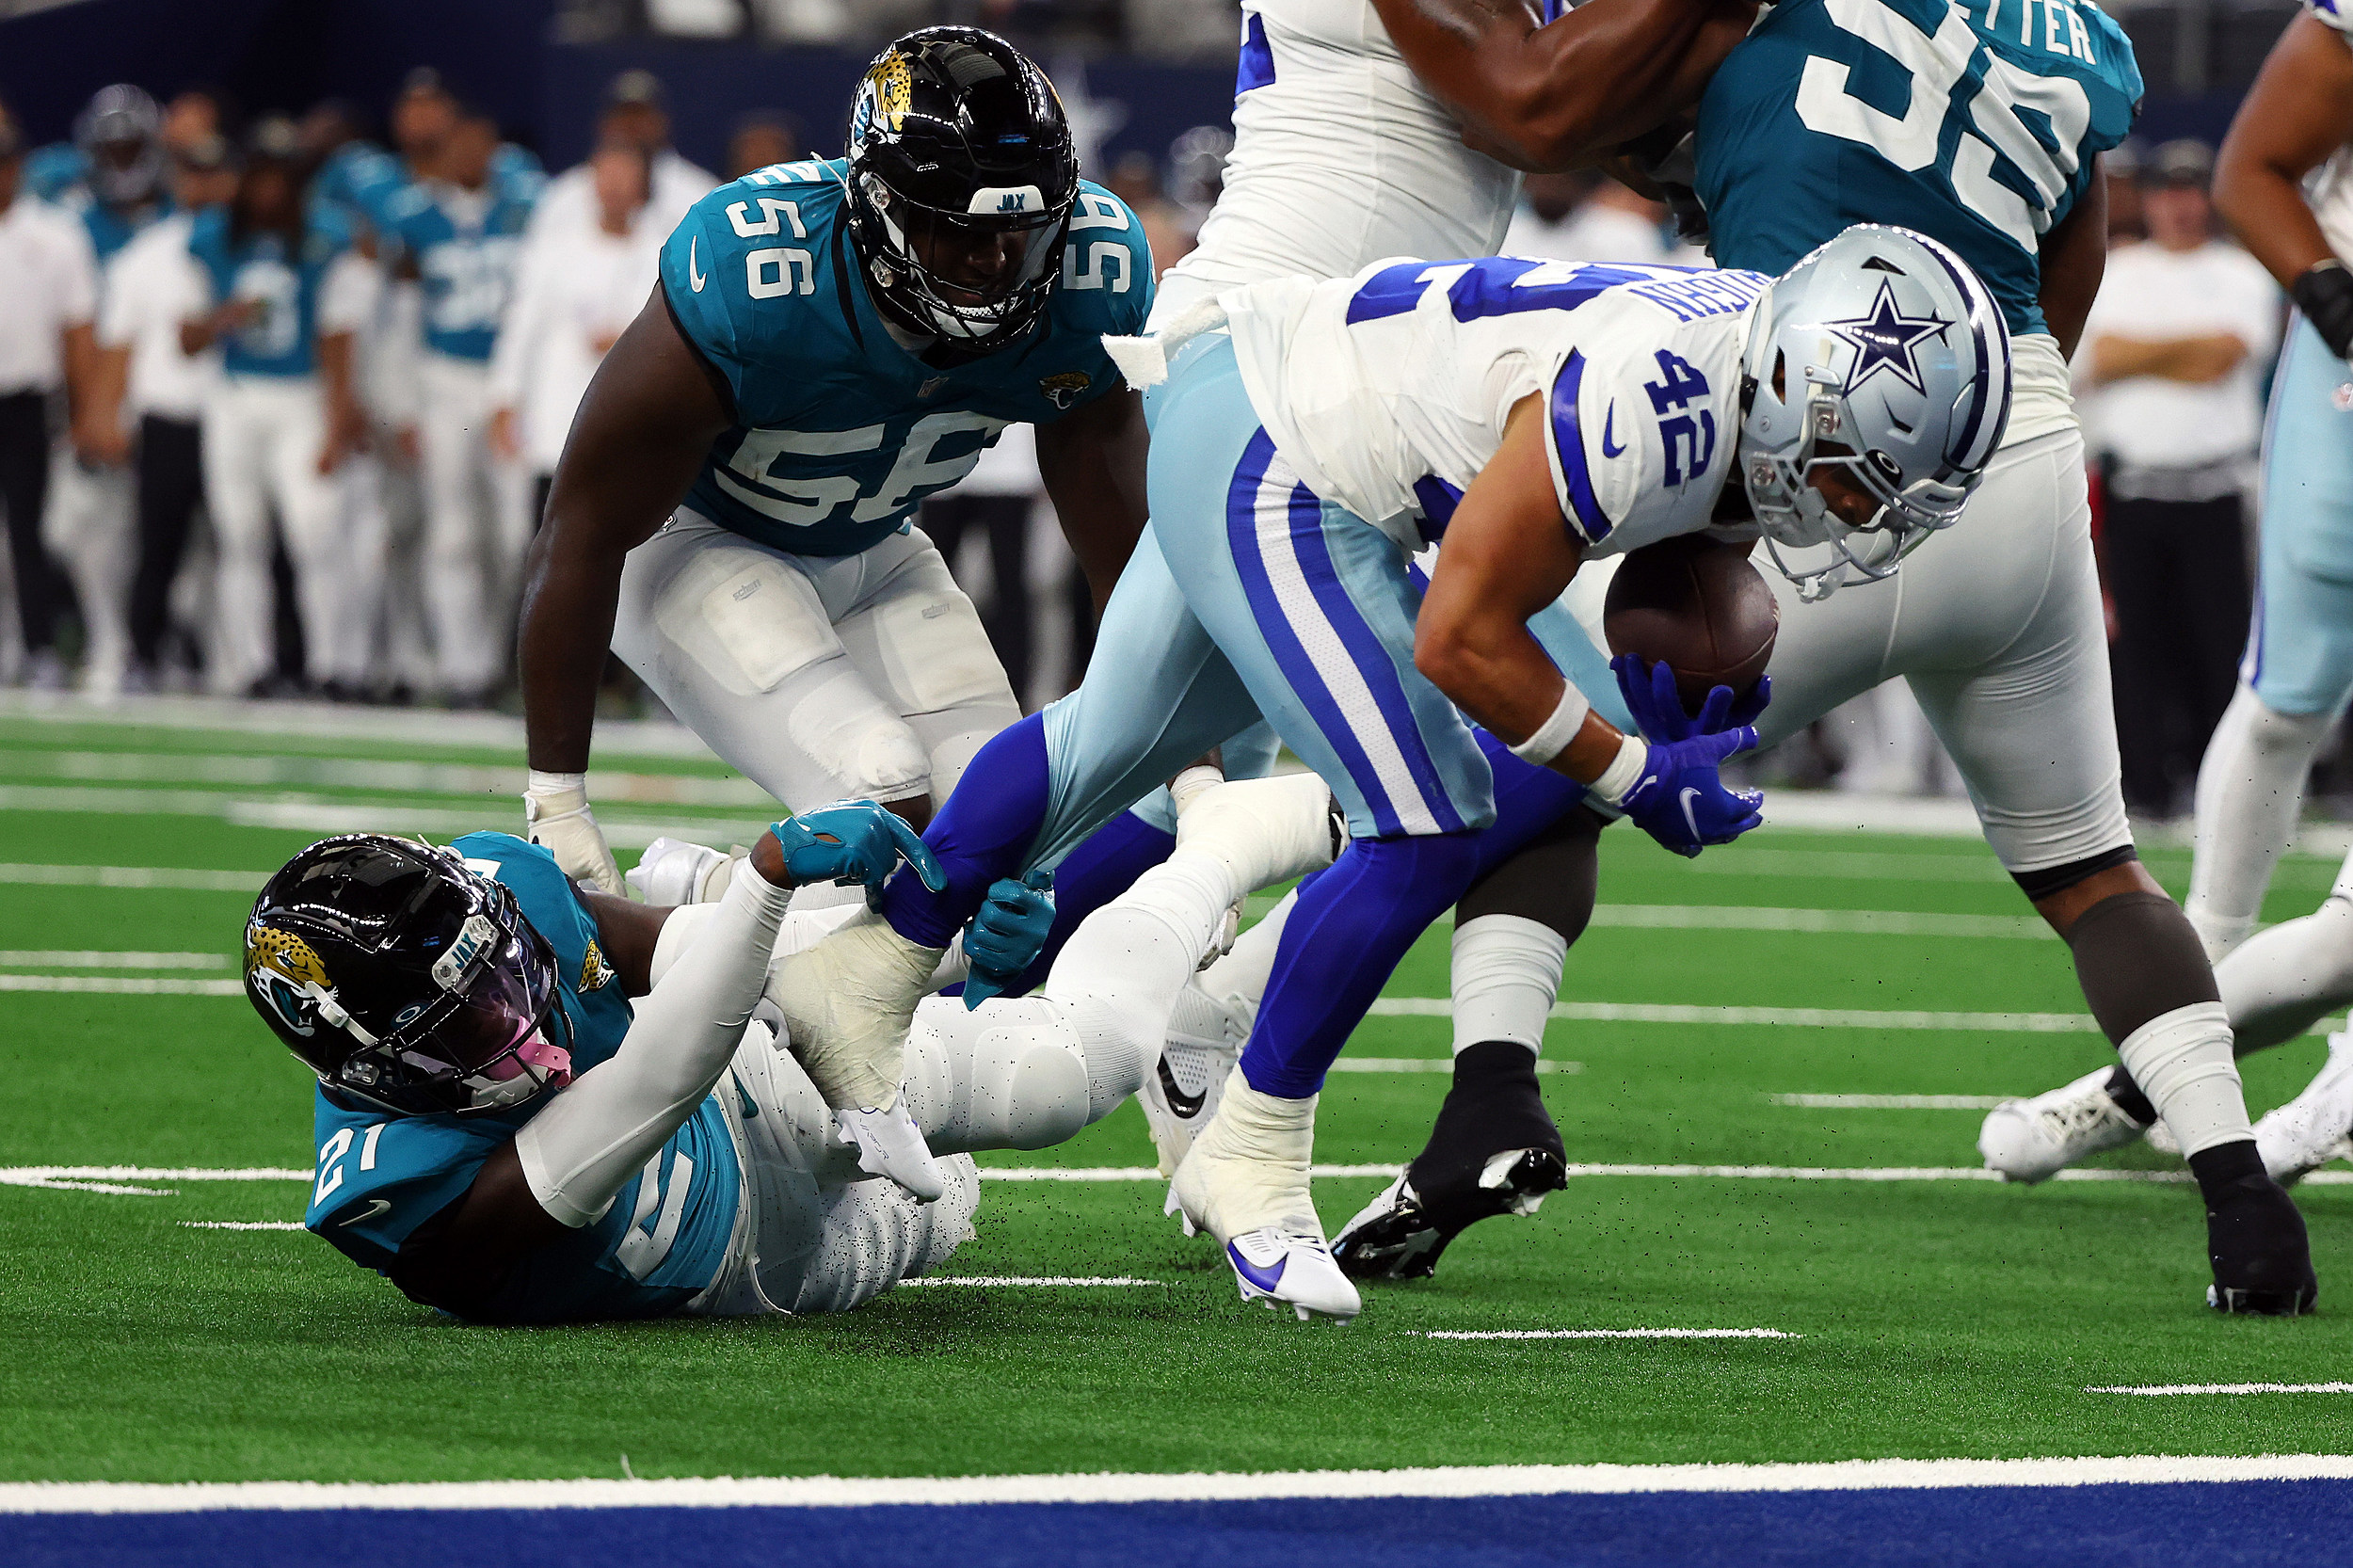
pixel 642 431
pixel 1555 96
pixel 1091 461
pixel 562 1171
pixel 2299 112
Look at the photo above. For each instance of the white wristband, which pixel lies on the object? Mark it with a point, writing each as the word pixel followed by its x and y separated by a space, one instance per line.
pixel 1554 736
pixel 545 784
pixel 1623 771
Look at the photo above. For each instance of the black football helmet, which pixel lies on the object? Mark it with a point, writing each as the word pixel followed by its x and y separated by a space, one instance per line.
pixel 405 981
pixel 957 148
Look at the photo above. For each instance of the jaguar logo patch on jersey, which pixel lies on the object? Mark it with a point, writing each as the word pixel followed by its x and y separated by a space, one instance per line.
pixel 1064 388
pixel 1884 341
pixel 595 973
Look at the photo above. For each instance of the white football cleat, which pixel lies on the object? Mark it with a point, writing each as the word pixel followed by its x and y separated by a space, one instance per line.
pixel 889 1144
pixel 2034 1140
pixel 1181 1094
pixel 2317 1125
pixel 1265 830
pixel 1245 1182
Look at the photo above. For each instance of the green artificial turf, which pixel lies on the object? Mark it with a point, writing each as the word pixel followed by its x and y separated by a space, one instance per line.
pixel 1935 1319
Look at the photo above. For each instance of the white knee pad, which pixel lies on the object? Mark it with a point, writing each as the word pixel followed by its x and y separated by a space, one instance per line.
pixel 919 639
pixel 1009 1075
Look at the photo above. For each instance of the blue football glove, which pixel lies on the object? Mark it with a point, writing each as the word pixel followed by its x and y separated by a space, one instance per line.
pixel 1657 707
pixel 853 841
pixel 1681 802
pixel 1008 933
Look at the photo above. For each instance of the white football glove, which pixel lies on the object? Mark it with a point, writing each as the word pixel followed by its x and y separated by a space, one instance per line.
pixel 556 816
pixel 675 872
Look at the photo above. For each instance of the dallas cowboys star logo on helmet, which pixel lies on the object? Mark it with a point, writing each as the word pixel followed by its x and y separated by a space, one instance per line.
pixel 1885 340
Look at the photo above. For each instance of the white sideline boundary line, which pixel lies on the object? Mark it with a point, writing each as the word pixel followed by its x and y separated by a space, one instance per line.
pixel 2162 1388
pixel 87 1175
pixel 1492 1481
pixel 1605 1334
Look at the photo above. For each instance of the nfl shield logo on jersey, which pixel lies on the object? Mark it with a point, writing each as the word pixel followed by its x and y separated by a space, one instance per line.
pixel 1063 389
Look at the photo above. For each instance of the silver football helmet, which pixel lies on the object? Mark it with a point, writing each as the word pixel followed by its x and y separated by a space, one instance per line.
pixel 121 131
pixel 1882 362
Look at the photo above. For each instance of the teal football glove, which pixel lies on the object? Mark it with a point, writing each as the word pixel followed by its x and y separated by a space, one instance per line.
pixel 853 841
pixel 1008 933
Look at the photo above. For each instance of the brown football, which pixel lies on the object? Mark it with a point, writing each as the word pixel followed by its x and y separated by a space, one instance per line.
pixel 1700 605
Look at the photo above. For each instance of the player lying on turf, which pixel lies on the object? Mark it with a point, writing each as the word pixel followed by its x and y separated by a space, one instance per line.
pixel 1999 634
pixel 2298 672
pixel 507 1135
pixel 1308 436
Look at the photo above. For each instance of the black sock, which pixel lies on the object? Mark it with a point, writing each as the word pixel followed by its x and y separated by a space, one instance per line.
pixel 2128 1098
pixel 2223 1166
pixel 1495 1105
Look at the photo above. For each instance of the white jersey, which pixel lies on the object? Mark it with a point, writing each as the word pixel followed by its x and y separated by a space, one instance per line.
pixel 2331 188
pixel 1388 390
pixel 1340 157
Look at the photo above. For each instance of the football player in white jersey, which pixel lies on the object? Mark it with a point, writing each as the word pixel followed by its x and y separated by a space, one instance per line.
pixel 2285 183
pixel 1309 436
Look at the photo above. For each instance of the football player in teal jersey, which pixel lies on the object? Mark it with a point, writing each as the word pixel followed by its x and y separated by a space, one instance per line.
pixel 1980 126
pixel 829 343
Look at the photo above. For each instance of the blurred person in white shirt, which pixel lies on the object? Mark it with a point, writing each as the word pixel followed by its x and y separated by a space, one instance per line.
pixel 764 138
pixel 634 117
pixel 2175 347
pixel 48 343
pixel 1583 217
pixel 152 286
pixel 575 291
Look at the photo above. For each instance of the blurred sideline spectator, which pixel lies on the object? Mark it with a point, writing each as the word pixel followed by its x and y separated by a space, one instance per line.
pixel 1135 179
pixel 2119 171
pixel 761 140
pixel 575 291
pixel 2174 349
pixel 49 289
pixel 634 117
pixel 1585 217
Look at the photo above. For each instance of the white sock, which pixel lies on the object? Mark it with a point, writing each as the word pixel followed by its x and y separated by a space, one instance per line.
pixel 1243 971
pixel 2278 983
pixel 2183 1062
pixel 2250 787
pixel 1507 975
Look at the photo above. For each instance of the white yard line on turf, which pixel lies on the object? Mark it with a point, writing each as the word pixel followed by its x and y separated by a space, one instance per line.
pixel 119 986
pixel 1605 1334
pixel 1791 1018
pixel 135 876
pixel 1429 1064
pixel 1493 1480
pixel 1892 1102
pixel 1847 923
pixel 77 958
pixel 1029 1281
pixel 615 738
pixel 2161 1388
pixel 260 1224
pixel 272 771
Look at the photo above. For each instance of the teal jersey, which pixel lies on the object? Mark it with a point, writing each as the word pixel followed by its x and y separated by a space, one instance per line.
pixel 1977 127
pixel 466 255
pixel 287 280
pixel 840 433
pixel 380 1177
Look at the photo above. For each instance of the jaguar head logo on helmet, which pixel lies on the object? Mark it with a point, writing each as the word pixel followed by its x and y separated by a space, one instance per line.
pixel 1876 386
pixel 405 980
pixel 961 179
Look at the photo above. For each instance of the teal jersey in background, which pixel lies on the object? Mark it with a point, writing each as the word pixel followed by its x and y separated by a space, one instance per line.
pixel 283 340
pixel 1974 126
pixel 380 1177
pixel 466 249
pixel 840 432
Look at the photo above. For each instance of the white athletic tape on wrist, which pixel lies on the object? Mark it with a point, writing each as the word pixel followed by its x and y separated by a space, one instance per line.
pixel 2183 1062
pixel 1554 736
pixel 1623 771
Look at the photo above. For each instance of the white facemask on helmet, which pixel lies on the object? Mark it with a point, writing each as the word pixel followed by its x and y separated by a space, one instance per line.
pixel 1883 347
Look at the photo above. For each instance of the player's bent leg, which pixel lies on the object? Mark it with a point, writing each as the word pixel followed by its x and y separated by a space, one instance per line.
pixel 2250 790
pixel 2280 982
pixel 2315 1127
pixel 738 641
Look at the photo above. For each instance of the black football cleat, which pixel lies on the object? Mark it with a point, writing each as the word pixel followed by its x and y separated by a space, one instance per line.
pixel 2255 1239
pixel 1494 1151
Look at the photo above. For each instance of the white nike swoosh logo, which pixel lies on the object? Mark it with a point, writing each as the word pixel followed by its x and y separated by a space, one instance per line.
pixel 694 275
pixel 1684 800
pixel 379 1206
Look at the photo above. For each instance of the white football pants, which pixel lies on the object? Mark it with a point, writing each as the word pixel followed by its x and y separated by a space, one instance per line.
pixel 262 440
pixel 477 523
pixel 90 527
pixel 818 678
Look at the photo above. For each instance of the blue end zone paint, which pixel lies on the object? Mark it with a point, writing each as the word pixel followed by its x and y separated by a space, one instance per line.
pixel 2213 1525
